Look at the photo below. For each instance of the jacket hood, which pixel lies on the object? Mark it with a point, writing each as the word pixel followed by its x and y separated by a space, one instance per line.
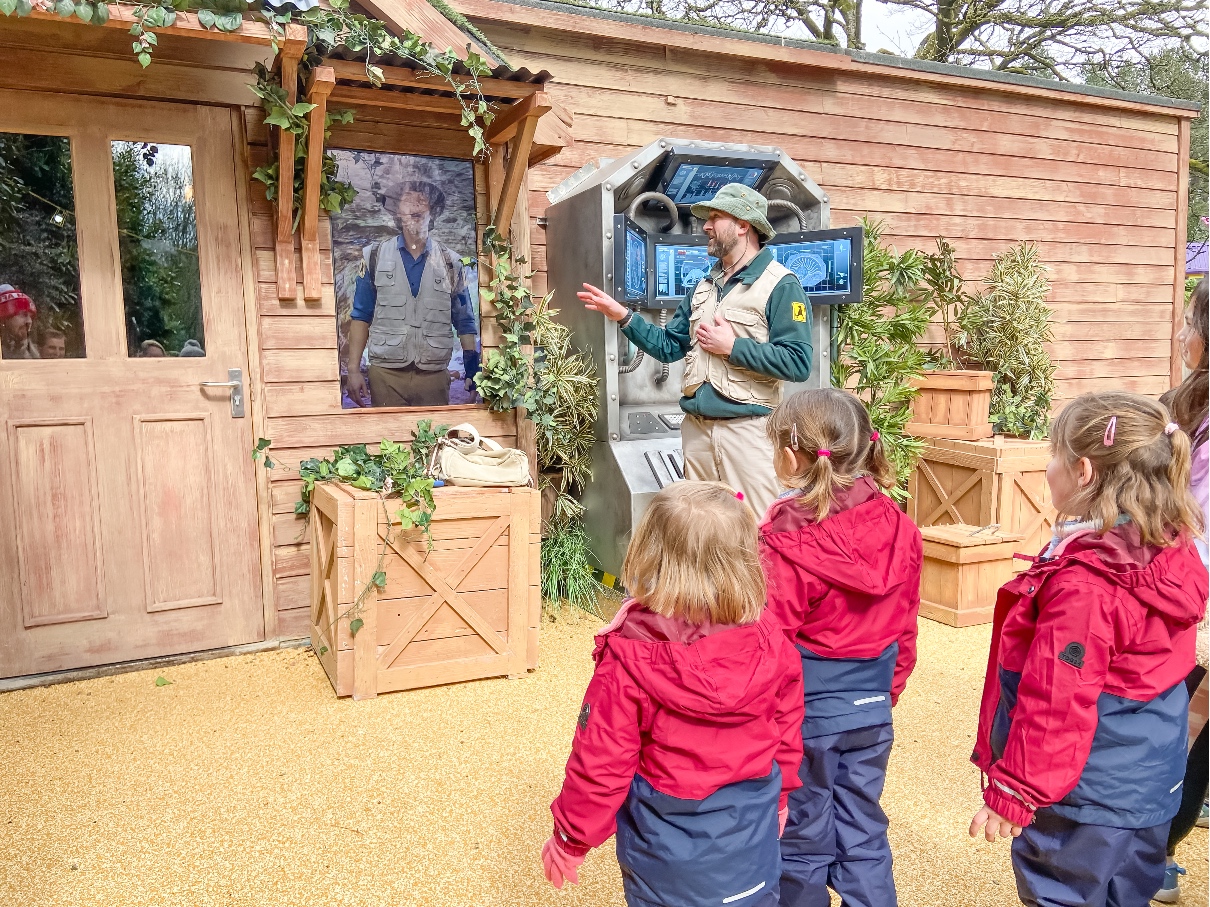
pixel 1170 580
pixel 858 547
pixel 722 672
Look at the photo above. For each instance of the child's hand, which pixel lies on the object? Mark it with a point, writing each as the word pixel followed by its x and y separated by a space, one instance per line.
pixel 559 865
pixel 996 825
pixel 783 815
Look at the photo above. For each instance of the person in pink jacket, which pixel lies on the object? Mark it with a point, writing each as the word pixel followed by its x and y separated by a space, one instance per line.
pixel 1083 722
pixel 688 740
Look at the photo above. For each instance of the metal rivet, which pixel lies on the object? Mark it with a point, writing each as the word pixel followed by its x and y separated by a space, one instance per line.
pixel 612 357
pixel 634 164
pixel 609 187
pixel 608 235
pixel 613 437
pixel 613 396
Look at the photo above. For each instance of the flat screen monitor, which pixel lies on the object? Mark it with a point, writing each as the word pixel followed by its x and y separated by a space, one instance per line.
pixel 630 261
pixel 678 264
pixel 826 262
pixel 691 175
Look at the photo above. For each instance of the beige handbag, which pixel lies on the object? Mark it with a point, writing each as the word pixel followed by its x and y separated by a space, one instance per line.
pixel 478 461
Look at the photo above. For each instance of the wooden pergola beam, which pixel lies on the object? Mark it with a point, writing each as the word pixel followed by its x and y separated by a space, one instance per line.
pixel 187 24
pixel 320 85
pixel 400 77
pixel 377 97
pixel 504 127
pixel 288 56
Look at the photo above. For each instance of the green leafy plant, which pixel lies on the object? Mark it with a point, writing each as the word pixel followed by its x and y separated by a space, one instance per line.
pixel 567 568
pixel 1005 330
pixel 877 345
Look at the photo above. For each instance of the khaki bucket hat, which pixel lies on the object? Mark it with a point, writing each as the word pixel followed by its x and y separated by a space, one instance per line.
pixel 741 202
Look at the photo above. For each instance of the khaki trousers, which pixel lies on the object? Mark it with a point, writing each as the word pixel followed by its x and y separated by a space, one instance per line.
pixel 408 387
pixel 736 452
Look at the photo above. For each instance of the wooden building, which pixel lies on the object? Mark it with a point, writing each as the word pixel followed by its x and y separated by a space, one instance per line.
pixel 1098 178
pixel 133 521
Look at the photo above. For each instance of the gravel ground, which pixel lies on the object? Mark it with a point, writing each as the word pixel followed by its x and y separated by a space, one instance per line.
pixel 246 782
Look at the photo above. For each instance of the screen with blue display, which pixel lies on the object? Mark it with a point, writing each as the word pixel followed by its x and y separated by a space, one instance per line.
pixel 636 264
pixel 822 267
pixel 693 183
pixel 678 269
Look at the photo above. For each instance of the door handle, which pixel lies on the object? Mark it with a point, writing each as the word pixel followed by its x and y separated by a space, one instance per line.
pixel 235 381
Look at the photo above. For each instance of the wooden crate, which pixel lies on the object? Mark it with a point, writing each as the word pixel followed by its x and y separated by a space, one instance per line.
pixel 468 609
pixel 963 570
pixel 952 404
pixel 998 481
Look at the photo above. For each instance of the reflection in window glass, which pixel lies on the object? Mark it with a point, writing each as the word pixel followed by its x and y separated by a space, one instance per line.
pixel 40 315
pixel 157 235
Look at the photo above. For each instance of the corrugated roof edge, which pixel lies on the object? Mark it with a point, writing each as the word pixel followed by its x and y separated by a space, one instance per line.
pixel 464 25
pixel 862 56
pixel 502 72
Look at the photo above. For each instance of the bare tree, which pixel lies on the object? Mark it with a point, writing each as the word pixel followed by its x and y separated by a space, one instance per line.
pixel 826 21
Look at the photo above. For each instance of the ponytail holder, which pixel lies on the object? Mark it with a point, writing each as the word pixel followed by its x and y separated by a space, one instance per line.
pixel 1170 428
pixel 739 495
pixel 823 453
pixel 794 435
pixel 1111 430
pixel 875 437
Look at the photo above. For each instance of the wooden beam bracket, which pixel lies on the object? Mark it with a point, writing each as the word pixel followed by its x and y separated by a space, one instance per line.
pixel 516 127
pixel 322 81
pixel 289 55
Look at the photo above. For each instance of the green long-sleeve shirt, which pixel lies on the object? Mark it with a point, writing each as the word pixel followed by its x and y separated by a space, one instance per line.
pixel 786 355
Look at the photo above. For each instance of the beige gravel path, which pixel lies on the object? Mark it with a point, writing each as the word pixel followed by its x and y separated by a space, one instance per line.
pixel 245 782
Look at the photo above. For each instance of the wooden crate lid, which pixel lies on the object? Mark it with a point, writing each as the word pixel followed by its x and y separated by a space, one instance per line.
pixel 996 454
pixel 960 543
pixel 955 380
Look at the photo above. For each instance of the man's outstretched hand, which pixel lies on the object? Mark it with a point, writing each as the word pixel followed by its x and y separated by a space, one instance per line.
pixel 598 300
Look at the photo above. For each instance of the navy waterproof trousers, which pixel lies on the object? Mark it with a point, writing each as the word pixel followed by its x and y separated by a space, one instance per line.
pixel 836 836
pixel 1059 862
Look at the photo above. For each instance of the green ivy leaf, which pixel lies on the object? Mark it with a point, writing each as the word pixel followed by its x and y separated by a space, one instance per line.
pixel 230 22
pixel 205 18
pixel 323 650
pixel 84 12
pixel 144 60
pixel 379 579
pixel 302 108
pixel 24 8
pixel 162 682
pixel 279 118
pixel 8 7
pixel 65 8
pixel 101 15
pixel 355 624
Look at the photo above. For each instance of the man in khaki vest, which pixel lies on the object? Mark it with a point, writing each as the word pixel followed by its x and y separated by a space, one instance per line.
pixel 742 331
pixel 410 300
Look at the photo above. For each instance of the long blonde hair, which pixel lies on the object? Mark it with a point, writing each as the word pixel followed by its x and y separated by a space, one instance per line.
pixel 694 556
pixel 836 422
pixel 1140 468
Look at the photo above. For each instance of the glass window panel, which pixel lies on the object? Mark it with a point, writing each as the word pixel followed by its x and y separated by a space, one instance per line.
pixel 157 235
pixel 40 316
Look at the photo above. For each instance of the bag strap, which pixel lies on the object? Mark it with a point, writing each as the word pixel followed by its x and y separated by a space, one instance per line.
pixel 467 429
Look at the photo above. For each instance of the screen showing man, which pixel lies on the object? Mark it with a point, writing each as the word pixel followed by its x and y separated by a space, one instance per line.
pixel 406 310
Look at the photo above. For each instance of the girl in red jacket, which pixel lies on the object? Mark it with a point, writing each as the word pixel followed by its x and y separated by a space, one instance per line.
pixel 1083 723
pixel 688 739
pixel 842 564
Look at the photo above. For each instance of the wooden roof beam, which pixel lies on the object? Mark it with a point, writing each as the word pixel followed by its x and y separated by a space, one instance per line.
pixel 401 77
pixel 320 85
pixel 122 16
pixel 404 100
pixel 505 126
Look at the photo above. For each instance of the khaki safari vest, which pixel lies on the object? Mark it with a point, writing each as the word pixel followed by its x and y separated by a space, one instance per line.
pixel 744 307
pixel 411 330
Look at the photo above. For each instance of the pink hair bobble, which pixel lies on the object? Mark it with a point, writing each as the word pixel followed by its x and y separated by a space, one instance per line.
pixel 823 453
pixel 1111 430
pixel 875 437
pixel 739 495
pixel 1170 428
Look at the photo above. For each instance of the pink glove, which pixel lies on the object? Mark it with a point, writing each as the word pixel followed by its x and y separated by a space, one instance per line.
pixel 783 815
pixel 559 865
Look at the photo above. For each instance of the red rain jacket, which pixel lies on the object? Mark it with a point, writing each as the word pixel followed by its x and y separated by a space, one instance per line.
pixel 849 586
pixel 1126 613
pixel 690 708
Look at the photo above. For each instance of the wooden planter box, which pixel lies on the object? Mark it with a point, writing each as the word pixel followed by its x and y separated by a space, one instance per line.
pixel 998 481
pixel 952 405
pixel 962 573
pixel 468 609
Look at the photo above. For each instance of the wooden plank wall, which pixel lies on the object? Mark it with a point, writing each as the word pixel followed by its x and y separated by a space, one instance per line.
pixel 299 373
pixel 1094 185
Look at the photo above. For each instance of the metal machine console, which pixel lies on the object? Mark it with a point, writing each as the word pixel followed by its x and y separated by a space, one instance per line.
pixel 625 225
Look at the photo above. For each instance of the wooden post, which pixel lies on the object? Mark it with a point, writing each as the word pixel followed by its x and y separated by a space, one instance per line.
pixel 1182 234
pixel 323 80
pixel 518 164
pixel 291 53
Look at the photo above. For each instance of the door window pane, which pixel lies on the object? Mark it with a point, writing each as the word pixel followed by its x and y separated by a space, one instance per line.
pixel 40 315
pixel 157 235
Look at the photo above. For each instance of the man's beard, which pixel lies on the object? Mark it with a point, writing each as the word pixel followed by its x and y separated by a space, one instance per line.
pixel 719 246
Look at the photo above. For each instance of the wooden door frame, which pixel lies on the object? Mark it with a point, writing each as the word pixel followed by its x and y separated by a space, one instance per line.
pixel 255 384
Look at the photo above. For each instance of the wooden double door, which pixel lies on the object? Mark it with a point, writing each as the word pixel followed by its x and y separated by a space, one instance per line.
pixel 128 518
